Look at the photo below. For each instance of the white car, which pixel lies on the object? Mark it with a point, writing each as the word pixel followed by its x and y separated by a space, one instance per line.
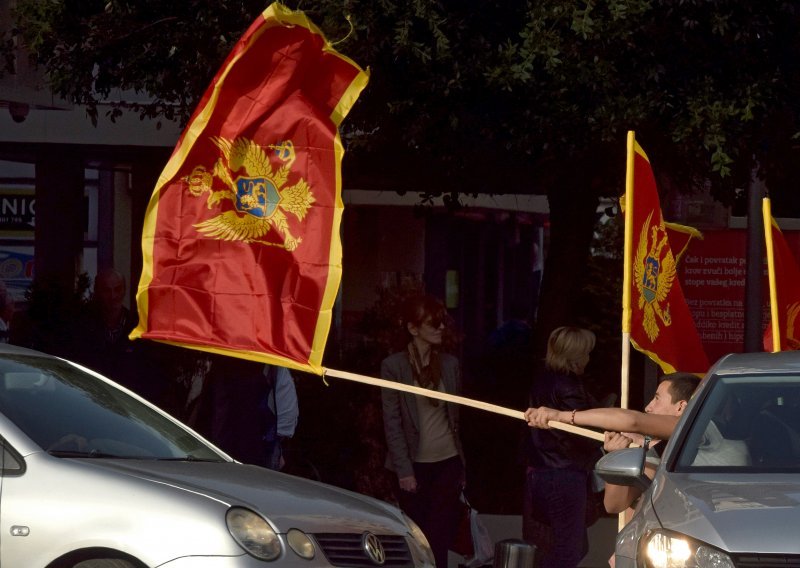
pixel 726 493
pixel 93 476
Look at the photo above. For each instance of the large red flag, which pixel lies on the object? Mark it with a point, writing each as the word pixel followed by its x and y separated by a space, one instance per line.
pixel 655 311
pixel 784 276
pixel 241 244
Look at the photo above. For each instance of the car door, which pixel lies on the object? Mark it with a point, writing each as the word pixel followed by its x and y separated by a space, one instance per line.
pixel 11 466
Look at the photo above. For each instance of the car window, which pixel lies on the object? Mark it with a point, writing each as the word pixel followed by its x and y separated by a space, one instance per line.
pixel 746 424
pixel 9 463
pixel 70 413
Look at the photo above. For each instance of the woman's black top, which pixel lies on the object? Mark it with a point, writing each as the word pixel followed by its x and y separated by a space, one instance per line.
pixel 553 448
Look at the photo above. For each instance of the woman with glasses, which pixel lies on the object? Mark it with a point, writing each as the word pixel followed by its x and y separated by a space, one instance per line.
pixel 424 449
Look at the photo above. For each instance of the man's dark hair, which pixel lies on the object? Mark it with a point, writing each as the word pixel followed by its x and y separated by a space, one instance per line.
pixel 681 385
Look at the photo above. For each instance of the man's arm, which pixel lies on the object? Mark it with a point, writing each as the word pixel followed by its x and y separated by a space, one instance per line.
pixel 617 498
pixel 616 419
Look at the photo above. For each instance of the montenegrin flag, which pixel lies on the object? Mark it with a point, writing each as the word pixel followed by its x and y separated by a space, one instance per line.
pixel 784 293
pixel 241 247
pixel 655 313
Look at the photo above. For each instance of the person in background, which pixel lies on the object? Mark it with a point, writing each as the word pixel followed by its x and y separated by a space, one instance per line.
pixel 284 412
pixel 559 463
pixel 6 312
pixel 234 408
pixel 247 408
pixel 100 339
pixel 102 330
pixel 424 448
pixel 113 320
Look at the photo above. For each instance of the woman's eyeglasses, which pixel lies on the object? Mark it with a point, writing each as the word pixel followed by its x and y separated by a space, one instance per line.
pixel 435 323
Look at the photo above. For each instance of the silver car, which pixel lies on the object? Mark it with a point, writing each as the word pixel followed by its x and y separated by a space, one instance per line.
pixel 95 477
pixel 727 490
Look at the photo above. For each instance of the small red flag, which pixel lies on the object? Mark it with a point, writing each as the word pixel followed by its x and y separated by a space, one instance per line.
pixel 660 325
pixel 786 297
pixel 241 244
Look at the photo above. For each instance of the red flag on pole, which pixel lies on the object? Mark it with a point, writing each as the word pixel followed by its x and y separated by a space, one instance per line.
pixel 784 274
pixel 241 244
pixel 659 321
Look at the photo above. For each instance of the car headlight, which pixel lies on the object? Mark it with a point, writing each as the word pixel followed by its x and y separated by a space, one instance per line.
pixel 420 548
pixel 300 543
pixel 253 533
pixel 667 549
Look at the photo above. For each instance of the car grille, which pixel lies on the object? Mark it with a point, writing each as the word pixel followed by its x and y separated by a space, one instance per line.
pixel 766 560
pixel 346 549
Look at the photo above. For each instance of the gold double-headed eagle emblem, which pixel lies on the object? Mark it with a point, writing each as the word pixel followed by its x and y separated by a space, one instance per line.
pixel 256 190
pixel 654 273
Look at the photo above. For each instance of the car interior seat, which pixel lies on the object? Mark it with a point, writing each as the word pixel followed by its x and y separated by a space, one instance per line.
pixel 775 440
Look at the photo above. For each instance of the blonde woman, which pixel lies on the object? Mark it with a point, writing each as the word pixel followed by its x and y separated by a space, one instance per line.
pixel 559 463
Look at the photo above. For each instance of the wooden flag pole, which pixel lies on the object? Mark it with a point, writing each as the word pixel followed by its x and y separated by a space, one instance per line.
pixel 625 370
pixel 624 397
pixel 519 414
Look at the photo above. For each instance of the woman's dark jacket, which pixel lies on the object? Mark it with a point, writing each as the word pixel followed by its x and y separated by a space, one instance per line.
pixel 557 449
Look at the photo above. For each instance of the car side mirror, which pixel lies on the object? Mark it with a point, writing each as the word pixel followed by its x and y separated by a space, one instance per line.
pixel 624 467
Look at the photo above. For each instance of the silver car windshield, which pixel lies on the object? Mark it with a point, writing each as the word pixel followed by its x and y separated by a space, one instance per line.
pixel 70 413
pixel 745 424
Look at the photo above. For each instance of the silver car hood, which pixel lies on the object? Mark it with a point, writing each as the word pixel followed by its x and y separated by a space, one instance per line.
pixel 315 507
pixel 734 512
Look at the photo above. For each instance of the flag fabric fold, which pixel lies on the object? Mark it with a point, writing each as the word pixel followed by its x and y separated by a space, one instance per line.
pixel 655 312
pixel 784 274
pixel 680 237
pixel 241 246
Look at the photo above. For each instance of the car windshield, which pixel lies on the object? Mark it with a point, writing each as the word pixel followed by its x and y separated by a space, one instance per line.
pixel 71 413
pixel 745 424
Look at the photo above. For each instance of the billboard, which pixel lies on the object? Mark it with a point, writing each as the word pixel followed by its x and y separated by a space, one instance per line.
pixel 712 274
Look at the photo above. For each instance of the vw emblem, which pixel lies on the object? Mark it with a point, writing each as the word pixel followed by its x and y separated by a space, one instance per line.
pixel 373 548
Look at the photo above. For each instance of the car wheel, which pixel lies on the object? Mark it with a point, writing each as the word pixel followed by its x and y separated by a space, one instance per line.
pixel 104 563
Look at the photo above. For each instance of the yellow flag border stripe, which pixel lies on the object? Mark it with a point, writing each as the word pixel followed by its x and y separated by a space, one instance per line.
pixel 665 367
pixel 769 222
